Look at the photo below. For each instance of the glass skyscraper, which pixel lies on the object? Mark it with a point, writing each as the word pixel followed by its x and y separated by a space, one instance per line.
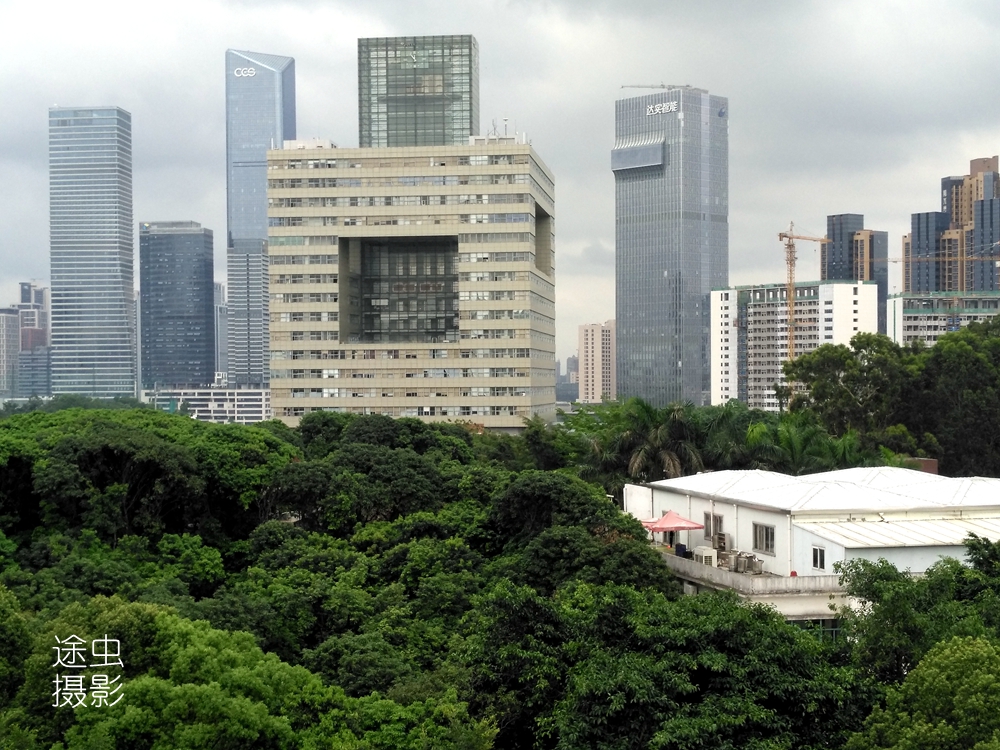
pixel 260 114
pixel 90 212
pixel 418 90
pixel 177 304
pixel 671 167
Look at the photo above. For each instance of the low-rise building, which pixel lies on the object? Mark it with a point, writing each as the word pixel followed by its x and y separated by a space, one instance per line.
pixel 749 332
pixel 793 530
pixel 927 316
pixel 221 405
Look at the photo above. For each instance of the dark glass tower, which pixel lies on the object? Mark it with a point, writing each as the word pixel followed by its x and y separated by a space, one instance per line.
pixel 856 253
pixel 177 304
pixel 418 90
pixel 671 167
pixel 260 114
pixel 90 229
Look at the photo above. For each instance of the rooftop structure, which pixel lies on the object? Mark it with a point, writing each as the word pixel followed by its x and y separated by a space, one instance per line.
pixel 798 528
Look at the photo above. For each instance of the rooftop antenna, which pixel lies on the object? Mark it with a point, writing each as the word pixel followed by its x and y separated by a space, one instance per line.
pixel 505 127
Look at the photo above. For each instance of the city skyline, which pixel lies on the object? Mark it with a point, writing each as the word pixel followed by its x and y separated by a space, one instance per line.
pixel 799 152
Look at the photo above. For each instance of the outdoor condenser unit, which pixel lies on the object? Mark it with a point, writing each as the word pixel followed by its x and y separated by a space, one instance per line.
pixel 705 555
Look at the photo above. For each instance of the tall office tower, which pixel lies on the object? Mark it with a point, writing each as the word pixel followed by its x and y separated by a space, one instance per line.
pixel 597 362
pixel 856 254
pixel 413 282
pixel 176 303
pixel 418 90
pixel 221 335
pixel 671 167
pixel 573 368
pixel 90 228
pixel 10 344
pixel 750 332
pixel 260 114
pixel 34 357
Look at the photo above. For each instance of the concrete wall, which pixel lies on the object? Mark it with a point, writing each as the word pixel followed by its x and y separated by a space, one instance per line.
pixel 802 545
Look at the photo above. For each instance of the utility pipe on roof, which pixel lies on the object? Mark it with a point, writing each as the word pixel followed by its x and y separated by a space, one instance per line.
pixel 789 542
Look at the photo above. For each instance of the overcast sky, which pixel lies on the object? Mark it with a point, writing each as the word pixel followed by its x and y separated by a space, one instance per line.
pixel 834 107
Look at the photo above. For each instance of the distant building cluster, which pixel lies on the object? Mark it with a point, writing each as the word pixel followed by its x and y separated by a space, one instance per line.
pixel 415 275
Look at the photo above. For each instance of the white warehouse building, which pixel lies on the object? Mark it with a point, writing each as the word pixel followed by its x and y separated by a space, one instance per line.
pixel 797 528
pixel 749 332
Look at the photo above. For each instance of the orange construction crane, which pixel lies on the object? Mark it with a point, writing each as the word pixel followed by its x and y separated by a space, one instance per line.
pixel 789 238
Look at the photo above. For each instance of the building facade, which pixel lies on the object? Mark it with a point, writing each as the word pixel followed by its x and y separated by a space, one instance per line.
pixel 413 282
pixel 597 362
pixel 177 303
pixel 91 251
pixel 671 168
pixel 10 344
pixel 34 358
pixel 417 91
pixel 776 539
pixel 749 336
pixel 957 248
pixel 260 114
pixel 220 405
pixel 221 333
pixel 857 254
pixel 928 316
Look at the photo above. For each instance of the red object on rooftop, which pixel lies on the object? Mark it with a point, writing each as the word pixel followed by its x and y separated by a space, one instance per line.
pixel 671 522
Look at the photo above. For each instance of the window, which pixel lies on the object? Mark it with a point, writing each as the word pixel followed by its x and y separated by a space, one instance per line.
pixel 819 558
pixel 713 525
pixel 763 539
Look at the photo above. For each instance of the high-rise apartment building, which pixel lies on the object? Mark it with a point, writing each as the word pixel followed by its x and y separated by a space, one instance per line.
pixel 34 358
pixel 260 114
pixel 90 227
pixel 413 281
pixel 221 332
pixel 177 303
pixel 857 254
pixel 418 91
pixel 597 362
pixel 957 248
pixel 573 368
pixel 750 332
pixel 671 167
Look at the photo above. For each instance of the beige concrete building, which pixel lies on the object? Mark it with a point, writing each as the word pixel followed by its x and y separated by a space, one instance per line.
pixel 597 362
pixel 749 332
pixel 416 281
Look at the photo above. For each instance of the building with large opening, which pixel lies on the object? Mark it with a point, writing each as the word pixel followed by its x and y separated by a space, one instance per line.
pixel 414 281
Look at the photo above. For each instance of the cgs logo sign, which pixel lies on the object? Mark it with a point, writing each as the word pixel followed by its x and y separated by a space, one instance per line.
pixel 245 72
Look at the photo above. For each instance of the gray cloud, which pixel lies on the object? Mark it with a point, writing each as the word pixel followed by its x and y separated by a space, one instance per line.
pixel 834 107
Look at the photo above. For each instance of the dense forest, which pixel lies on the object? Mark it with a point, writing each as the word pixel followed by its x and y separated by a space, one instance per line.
pixel 363 582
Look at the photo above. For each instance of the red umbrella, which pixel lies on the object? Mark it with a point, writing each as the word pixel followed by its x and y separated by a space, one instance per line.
pixel 672 522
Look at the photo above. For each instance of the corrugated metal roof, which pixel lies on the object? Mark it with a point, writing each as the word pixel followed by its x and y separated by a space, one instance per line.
pixel 903 533
pixel 877 489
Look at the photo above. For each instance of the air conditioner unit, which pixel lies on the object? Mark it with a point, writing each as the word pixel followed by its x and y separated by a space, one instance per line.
pixel 722 542
pixel 705 556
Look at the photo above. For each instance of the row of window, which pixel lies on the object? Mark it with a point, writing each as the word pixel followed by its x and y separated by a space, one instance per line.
pixel 383 162
pixel 400 181
pixel 302 260
pixel 451 372
pixel 392 221
pixel 305 278
pixel 400 200
pixel 494 392
pixel 417 411
pixel 496 353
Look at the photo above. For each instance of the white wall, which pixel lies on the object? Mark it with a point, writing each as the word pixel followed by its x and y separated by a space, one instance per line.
pixel 737 521
pixel 802 544
pixel 914 559
pixel 723 345
pixel 639 501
